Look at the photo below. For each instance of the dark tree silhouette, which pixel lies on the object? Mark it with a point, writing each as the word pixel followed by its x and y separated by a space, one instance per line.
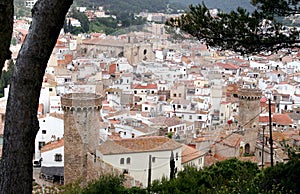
pixel 21 123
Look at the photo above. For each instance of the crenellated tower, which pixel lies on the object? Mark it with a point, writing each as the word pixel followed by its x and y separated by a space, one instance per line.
pixel 81 132
pixel 249 107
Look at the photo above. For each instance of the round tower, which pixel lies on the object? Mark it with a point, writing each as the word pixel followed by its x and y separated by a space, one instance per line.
pixel 81 132
pixel 249 107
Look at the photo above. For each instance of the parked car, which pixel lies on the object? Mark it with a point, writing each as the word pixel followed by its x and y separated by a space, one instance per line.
pixel 37 163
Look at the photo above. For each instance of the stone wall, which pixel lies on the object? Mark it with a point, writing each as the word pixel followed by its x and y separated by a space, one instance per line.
pixel 97 167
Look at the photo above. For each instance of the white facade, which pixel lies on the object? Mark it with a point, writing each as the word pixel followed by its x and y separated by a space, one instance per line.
pixel 51 128
pixel 53 158
pixel 126 131
pixel 137 164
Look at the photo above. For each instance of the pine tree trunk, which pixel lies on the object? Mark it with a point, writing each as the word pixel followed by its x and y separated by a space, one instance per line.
pixel 21 124
pixel 6 29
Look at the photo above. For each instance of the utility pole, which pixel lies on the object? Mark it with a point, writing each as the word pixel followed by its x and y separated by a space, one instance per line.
pixel 271 139
pixel 263 148
pixel 172 166
pixel 149 171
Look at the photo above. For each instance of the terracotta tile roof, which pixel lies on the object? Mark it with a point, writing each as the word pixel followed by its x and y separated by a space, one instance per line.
pixel 189 153
pixel 220 158
pixel 167 121
pixel 112 69
pixel 67 60
pixel 53 145
pixel 282 119
pixel 232 140
pixel 148 86
pixel 136 145
pixel 209 160
pixel 228 66
pixel 263 119
pixel 248 158
pixel 277 136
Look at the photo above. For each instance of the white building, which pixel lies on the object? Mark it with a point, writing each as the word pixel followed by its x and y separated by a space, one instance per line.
pixel 51 128
pixel 53 161
pixel 192 157
pixel 133 156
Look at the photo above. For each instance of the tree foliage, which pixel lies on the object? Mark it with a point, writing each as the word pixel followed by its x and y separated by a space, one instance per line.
pixel 240 30
pixel 105 184
pixel 229 176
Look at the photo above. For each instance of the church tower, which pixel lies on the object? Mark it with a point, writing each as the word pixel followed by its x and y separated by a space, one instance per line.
pixel 81 132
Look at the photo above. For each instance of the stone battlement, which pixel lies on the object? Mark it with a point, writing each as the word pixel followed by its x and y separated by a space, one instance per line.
pixel 249 94
pixel 81 101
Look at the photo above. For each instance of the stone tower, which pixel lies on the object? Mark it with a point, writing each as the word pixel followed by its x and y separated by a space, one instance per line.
pixel 249 110
pixel 249 107
pixel 81 132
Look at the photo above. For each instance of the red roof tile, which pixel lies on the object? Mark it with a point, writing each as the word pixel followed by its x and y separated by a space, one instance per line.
pixel 141 144
pixel 189 153
pixel 140 86
pixel 53 145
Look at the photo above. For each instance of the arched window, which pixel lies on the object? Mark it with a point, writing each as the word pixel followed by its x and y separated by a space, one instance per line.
pixel 122 161
pixel 128 161
pixel 247 148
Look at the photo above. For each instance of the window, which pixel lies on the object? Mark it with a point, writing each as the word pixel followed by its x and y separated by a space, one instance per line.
pixel 153 159
pixel 190 117
pixel 174 95
pixel 176 155
pixel 179 94
pixel 57 157
pixel 128 161
pixel 43 131
pixel 146 108
pixel 178 106
pixel 50 89
pixel 135 92
pixel 122 161
pixel 199 117
pixel 222 114
pixel 200 161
